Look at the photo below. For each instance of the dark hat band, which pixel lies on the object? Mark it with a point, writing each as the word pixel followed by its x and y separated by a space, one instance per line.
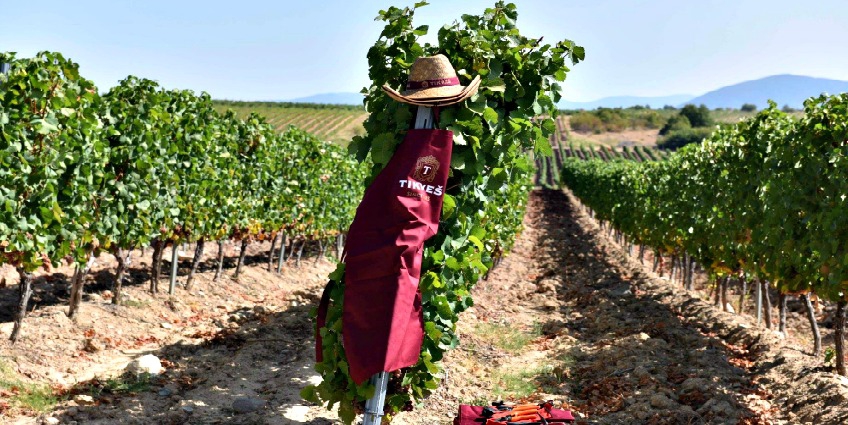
pixel 426 84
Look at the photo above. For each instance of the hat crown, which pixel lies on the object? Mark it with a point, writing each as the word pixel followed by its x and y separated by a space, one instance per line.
pixel 431 68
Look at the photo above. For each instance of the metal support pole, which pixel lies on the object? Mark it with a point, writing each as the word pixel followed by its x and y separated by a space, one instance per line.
pixel 374 405
pixel 174 260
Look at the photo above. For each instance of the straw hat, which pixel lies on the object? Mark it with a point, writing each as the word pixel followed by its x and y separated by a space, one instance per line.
pixel 433 82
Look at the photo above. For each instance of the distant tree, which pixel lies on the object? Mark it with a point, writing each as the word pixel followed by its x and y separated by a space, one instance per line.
pixel 677 122
pixel 699 116
pixel 788 109
pixel 749 107
pixel 669 108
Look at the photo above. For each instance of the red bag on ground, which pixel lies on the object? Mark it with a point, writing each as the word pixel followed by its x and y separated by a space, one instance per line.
pixel 474 415
pixel 383 325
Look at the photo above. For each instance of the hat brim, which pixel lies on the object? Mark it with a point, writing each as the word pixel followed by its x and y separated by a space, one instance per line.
pixel 433 98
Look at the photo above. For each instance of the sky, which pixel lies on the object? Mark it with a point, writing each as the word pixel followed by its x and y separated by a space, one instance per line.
pixel 281 50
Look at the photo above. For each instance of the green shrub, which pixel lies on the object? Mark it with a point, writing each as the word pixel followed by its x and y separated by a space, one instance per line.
pixel 613 119
pixel 675 123
pixel 679 138
pixel 586 122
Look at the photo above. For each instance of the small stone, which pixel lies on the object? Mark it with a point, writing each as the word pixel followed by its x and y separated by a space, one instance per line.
pixel 50 421
pixel 706 406
pixel 730 308
pixel 297 413
pixel 724 408
pixel 259 309
pixel 294 303
pixel 660 401
pixel 84 400
pixel 188 409
pixel 145 364
pixel 58 378
pixel 165 392
pixel 640 372
pixel 247 405
pixel 643 336
pixel 92 345
pixel 692 384
pixel 621 292
pixel 72 411
pixel 166 325
pixel 92 298
pixel 547 286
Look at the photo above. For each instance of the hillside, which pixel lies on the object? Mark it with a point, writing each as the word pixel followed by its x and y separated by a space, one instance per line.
pixel 334 123
pixel 789 90
pixel 333 99
pixel 655 102
pixel 786 89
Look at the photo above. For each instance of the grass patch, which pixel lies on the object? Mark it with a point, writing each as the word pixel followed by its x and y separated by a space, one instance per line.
pixel 20 395
pixel 514 385
pixel 506 337
pixel 124 384
pixel 135 303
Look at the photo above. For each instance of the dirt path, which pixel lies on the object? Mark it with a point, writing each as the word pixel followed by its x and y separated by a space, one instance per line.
pixel 616 344
pixel 568 316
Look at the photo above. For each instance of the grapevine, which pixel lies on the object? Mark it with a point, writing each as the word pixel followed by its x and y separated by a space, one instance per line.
pixel 487 187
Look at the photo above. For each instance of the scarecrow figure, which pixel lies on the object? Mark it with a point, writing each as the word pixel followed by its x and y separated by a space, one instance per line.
pixel 383 325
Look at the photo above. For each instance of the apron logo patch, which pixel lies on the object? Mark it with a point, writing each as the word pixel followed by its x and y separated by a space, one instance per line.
pixel 425 169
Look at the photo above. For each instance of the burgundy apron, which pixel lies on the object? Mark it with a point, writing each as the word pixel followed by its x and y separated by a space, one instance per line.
pixel 383 324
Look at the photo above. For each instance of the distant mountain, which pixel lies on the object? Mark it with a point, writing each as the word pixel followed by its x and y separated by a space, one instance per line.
pixel 332 99
pixel 627 101
pixel 787 89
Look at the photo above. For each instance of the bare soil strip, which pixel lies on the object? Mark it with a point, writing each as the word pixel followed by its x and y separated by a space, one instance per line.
pixel 568 316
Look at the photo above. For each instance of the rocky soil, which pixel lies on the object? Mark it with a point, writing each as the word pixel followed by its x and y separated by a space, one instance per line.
pixel 568 316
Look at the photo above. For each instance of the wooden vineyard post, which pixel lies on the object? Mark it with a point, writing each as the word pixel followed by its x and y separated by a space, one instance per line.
pixel 220 261
pixel 374 405
pixel 77 284
pixel 759 301
pixel 271 252
pixel 25 292
pixel 282 257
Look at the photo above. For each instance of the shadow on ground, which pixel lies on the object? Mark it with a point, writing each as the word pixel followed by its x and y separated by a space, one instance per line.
pixel 250 374
pixel 634 358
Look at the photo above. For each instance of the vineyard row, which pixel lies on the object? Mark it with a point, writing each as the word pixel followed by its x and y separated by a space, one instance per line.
pixel 763 200
pixel 144 166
